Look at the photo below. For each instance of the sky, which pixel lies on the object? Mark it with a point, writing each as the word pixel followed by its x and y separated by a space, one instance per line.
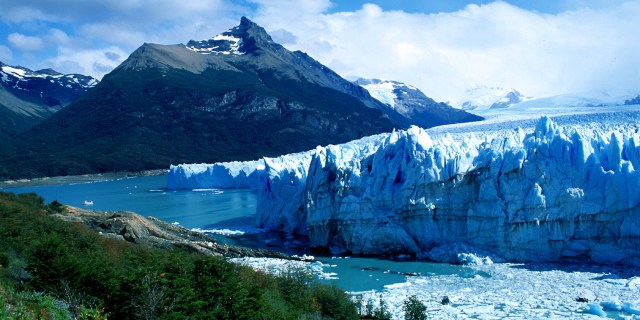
pixel 443 47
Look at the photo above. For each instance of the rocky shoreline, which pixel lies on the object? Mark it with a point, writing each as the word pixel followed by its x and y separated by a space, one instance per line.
pixel 134 228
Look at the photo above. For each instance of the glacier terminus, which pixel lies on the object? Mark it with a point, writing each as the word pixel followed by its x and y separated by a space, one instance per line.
pixel 545 193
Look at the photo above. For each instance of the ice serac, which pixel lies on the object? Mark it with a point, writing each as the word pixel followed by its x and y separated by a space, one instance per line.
pixel 551 194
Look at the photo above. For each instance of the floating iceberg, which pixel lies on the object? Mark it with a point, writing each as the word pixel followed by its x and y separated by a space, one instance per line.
pixel 550 194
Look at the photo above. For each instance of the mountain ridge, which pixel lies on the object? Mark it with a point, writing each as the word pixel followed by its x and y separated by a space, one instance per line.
pixel 413 104
pixel 484 98
pixel 236 96
pixel 28 97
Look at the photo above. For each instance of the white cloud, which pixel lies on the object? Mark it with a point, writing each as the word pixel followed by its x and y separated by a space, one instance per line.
pixel 568 5
pixel 58 37
pixel 496 44
pixel 95 62
pixel 297 8
pixel 5 54
pixel 112 32
pixel 15 12
pixel 591 45
pixel 25 43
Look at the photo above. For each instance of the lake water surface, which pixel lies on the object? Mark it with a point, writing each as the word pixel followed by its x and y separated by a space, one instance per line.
pixel 229 209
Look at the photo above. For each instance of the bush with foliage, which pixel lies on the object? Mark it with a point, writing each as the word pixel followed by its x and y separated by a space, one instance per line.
pixel 414 309
pixel 370 310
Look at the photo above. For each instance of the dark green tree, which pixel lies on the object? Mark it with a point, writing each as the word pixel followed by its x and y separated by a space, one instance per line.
pixel 382 311
pixel 414 309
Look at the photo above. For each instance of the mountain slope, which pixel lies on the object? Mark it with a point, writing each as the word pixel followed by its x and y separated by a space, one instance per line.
pixel 27 97
pixel 237 96
pixel 632 101
pixel 414 105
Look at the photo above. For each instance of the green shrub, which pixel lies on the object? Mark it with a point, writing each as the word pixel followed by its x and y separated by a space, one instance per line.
pixel 335 303
pixel 55 207
pixel 414 309
pixel 382 311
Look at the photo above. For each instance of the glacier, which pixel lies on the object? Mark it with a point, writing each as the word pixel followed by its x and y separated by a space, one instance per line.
pixel 547 193
pixel 226 175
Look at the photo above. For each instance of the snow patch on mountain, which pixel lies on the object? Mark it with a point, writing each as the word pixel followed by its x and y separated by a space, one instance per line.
pixel 383 91
pixel 221 44
pixel 390 92
pixel 412 104
pixel 16 72
pixel 13 76
pixel 232 41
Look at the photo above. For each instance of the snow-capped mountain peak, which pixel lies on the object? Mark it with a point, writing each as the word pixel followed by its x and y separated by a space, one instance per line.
pixel 30 96
pixel 18 77
pixel 50 72
pixel 17 72
pixel 483 98
pixel 235 41
pixel 412 104
pixel 220 44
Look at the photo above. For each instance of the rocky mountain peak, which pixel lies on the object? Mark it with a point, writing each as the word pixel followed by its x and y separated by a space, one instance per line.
pixel 412 104
pixel 49 72
pixel 242 39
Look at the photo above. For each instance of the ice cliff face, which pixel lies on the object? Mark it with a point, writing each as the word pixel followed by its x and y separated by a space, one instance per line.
pixel 226 175
pixel 551 194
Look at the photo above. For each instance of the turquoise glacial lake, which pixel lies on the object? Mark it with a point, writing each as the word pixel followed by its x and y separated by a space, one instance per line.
pixel 230 209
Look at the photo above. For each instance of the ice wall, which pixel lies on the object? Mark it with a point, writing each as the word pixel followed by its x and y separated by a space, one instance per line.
pixel 551 194
pixel 227 175
pixel 281 194
pixel 548 194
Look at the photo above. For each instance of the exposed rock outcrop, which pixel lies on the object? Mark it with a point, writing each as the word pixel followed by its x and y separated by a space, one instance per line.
pixel 132 227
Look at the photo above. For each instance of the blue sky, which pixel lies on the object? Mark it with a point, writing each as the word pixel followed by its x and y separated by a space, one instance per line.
pixel 441 46
pixel 436 6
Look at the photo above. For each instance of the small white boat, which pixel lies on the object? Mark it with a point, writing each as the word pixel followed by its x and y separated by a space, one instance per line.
pixel 88 202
